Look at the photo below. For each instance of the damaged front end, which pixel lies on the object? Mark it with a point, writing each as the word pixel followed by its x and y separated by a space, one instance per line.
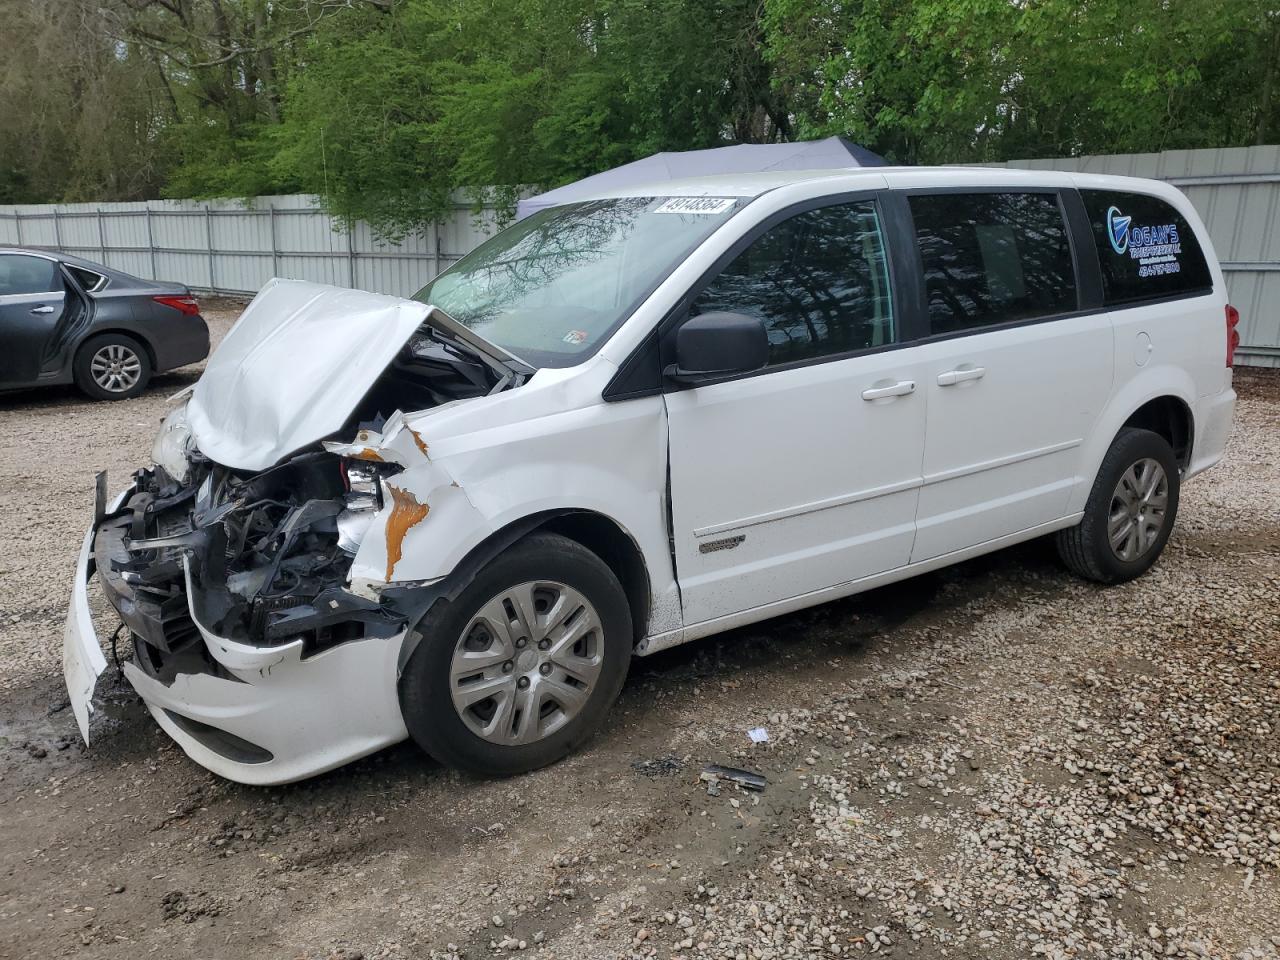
pixel 233 575
pixel 249 649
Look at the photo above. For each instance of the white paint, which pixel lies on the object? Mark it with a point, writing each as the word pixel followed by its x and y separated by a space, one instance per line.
pixel 822 484
pixel 312 715
pixel 83 661
pixel 1003 450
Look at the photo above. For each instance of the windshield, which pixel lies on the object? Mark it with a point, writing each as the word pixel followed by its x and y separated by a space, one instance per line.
pixel 553 287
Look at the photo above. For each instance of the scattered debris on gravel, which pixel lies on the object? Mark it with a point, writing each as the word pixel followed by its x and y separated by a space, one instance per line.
pixel 996 760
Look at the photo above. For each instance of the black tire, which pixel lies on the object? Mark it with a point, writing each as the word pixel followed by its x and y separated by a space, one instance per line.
pixel 1086 548
pixel 425 697
pixel 83 368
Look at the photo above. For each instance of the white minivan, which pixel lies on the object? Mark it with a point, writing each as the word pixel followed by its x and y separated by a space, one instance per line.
pixel 640 419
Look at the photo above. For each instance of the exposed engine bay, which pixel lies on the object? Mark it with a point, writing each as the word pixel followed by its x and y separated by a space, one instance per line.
pixel 264 556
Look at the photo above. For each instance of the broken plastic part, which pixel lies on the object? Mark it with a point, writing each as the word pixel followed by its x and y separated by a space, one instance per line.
pixel 744 778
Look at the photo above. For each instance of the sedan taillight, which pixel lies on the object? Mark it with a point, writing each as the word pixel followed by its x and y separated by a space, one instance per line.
pixel 187 304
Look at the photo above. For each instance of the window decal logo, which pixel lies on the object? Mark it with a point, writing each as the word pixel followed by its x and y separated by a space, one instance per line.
pixel 1118 229
pixel 1156 249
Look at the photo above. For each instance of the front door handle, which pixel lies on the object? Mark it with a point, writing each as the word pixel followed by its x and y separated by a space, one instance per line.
pixel 899 389
pixel 952 377
pixel 43 308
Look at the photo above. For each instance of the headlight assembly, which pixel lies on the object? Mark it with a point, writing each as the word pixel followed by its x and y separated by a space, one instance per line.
pixel 172 447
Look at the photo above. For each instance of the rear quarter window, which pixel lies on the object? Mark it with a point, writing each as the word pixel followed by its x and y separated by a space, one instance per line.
pixel 88 279
pixel 1146 248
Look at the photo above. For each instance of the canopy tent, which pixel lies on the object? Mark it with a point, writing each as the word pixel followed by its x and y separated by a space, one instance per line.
pixel 831 153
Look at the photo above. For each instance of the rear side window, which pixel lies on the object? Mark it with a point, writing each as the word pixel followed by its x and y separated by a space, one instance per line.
pixel 993 258
pixel 23 274
pixel 1146 248
pixel 87 278
pixel 819 281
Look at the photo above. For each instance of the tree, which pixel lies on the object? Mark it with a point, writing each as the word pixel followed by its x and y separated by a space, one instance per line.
pixel 398 108
pixel 388 108
pixel 930 81
pixel 77 113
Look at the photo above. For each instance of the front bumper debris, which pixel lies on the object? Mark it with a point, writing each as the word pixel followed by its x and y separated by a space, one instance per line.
pixel 259 707
pixel 83 661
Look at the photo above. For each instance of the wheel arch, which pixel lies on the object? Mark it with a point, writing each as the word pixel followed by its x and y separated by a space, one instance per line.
pixel 1148 401
pixel 1169 416
pixel 93 333
pixel 601 534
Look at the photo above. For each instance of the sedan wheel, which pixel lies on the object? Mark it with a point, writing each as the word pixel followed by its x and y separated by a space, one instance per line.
pixel 116 368
pixel 112 366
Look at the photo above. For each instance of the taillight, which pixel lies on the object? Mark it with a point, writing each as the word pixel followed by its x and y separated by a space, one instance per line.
pixel 1233 335
pixel 187 304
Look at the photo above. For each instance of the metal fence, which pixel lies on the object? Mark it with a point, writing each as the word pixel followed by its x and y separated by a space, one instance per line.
pixel 1237 193
pixel 235 247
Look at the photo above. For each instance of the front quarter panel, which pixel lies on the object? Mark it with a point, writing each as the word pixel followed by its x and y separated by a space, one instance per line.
pixel 607 458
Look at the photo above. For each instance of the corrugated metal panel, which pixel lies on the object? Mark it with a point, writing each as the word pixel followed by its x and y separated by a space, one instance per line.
pixel 1236 190
pixel 235 247
pixel 232 246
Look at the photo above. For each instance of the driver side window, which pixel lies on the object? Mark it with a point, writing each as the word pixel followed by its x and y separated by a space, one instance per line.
pixel 819 282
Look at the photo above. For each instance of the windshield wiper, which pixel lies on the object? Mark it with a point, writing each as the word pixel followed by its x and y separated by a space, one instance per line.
pixel 509 369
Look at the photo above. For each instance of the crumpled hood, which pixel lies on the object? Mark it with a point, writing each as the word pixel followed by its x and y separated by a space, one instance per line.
pixel 292 369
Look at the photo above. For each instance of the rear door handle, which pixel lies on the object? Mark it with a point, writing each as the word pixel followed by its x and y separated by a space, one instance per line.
pixel 43 308
pixel 952 377
pixel 899 389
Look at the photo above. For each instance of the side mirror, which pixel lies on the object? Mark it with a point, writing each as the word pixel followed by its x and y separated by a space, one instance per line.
pixel 715 345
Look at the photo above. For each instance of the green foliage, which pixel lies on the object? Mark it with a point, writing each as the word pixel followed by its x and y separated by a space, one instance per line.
pixel 391 110
pixel 397 110
pixel 933 81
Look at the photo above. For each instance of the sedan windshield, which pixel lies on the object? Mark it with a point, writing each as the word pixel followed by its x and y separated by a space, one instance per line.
pixel 553 287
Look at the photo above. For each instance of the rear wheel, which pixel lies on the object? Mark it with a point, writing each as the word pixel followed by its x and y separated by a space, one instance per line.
pixel 1130 512
pixel 524 665
pixel 112 366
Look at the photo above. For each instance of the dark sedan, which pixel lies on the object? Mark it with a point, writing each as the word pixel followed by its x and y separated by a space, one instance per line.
pixel 68 320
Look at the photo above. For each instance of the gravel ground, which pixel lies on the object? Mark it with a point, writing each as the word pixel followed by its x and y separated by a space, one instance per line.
pixel 996 760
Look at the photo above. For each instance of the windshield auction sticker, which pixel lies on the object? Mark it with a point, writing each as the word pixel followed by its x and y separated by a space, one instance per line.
pixel 1155 248
pixel 700 205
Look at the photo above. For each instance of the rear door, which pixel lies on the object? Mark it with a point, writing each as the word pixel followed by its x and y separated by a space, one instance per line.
pixel 1018 364
pixel 32 300
pixel 805 474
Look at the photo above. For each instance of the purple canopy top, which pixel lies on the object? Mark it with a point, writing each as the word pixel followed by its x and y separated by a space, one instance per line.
pixel 831 153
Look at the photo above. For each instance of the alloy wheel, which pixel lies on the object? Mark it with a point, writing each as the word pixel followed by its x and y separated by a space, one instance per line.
pixel 115 368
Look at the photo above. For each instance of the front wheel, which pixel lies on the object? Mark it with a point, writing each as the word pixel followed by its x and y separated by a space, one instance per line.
pixel 523 666
pixel 1130 512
